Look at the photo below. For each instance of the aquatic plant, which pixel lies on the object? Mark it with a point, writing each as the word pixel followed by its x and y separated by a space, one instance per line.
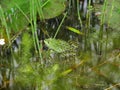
pixel 74 46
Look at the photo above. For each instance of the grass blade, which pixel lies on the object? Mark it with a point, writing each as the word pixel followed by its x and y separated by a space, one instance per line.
pixel 74 30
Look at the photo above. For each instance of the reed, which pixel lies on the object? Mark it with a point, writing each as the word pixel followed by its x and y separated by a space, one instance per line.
pixel 102 21
pixel 33 19
pixel 4 24
pixel 78 13
pixel 58 29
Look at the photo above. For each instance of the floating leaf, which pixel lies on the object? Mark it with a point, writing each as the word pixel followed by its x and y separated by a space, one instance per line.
pixel 53 8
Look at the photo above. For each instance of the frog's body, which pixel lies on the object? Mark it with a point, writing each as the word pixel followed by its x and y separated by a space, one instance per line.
pixel 57 45
pixel 63 48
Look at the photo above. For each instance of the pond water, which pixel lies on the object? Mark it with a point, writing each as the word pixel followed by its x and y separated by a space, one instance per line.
pixel 70 61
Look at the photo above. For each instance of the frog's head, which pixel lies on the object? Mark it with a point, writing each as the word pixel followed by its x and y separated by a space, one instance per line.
pixel 47 41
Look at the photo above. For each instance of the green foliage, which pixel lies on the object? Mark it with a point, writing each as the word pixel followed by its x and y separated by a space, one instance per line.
pixel 17 11
pixel 80 70
pixel 4 24
pixel 26 45
pixel 116 43
pixel 53 8
pixel 74 30
pixel 112 14
pixel 25 75
pixel 15 19
pixel 28 76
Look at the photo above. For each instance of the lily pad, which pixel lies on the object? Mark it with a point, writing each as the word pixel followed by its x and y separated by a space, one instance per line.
pixel 53 8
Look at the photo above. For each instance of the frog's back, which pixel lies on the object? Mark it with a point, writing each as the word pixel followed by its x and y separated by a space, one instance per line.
pixel 57 45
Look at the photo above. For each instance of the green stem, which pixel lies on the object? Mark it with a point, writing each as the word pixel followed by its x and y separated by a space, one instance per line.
pixel 58 29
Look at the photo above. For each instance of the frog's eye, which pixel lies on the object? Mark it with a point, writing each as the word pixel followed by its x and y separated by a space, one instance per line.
pixel 2 41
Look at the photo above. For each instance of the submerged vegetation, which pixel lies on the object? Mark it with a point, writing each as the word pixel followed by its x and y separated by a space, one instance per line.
pixel 59 45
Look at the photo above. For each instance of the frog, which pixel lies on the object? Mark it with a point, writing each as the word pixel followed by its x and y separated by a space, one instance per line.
pixel 57 45
pixel 61 48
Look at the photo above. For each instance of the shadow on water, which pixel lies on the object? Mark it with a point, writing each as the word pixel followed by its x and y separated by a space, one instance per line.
pixel 91 63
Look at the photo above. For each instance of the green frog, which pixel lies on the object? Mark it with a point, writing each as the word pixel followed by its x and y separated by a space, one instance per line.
pixel 57 45
pixel 65 49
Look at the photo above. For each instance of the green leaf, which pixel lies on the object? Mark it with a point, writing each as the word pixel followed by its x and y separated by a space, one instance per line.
pixel 74 30
pixel 66 72
pixel 53 8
